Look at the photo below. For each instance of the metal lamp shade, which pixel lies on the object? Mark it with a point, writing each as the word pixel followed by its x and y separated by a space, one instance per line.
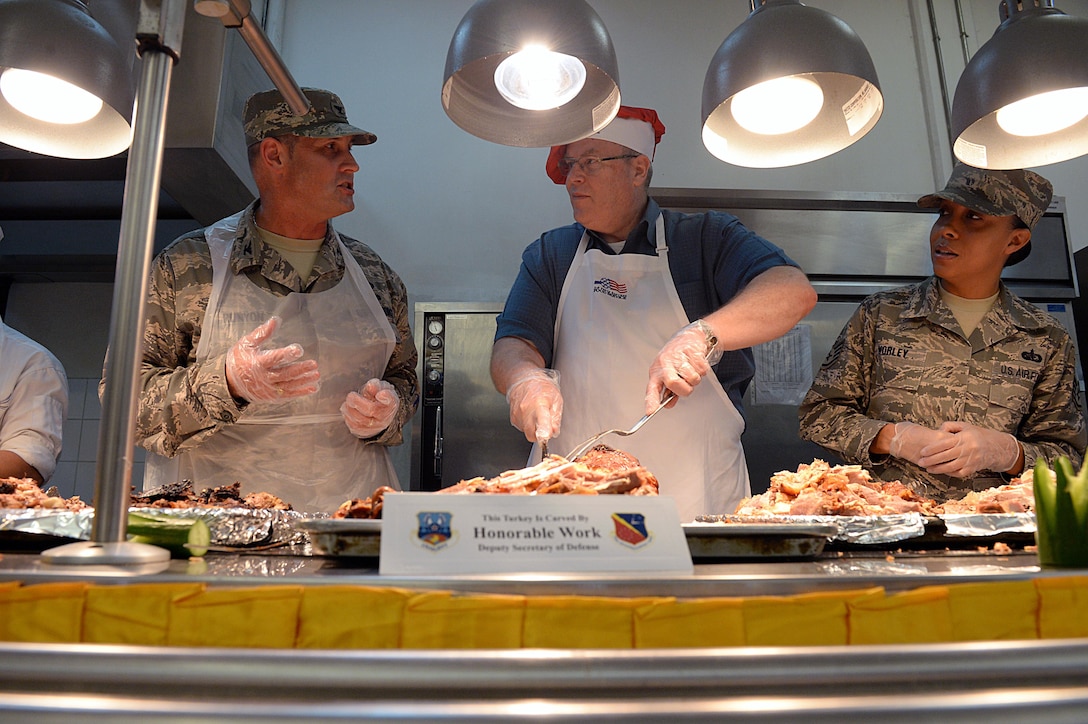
pixel 491 31
pixel 1035 50
pixel 60 38
pixel 784 38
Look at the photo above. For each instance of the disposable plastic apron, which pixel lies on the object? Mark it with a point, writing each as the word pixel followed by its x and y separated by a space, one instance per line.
pixel 299 450
pixel 615 313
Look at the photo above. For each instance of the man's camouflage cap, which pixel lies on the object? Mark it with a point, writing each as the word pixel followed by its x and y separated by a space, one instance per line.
pixel 1016 192
pixel 267 114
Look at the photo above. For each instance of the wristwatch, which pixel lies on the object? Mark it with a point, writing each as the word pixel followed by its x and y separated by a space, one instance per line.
pixel 713 354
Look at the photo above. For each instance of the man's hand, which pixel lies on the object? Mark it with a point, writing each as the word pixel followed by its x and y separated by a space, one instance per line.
pixel 536 404
pixel 968 449
pixel 681 364
pixel 370 411
pixel 269 375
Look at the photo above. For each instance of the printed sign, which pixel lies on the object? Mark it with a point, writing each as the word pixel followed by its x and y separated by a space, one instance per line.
pixel 424 533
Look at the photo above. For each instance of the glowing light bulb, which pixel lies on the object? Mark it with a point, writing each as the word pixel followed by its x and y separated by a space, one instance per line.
pixel 538 79
pixel 1044 113
pixel 48 98
pixel 778 106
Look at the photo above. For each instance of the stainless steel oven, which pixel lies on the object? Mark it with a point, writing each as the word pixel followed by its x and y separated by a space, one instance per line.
pixel 462 428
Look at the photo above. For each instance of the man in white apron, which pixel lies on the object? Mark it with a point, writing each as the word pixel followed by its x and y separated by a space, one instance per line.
pixel 33 407
pixel 632 301
pixel 277 352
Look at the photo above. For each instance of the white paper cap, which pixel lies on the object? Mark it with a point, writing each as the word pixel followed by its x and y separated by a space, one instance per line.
pixel 638 135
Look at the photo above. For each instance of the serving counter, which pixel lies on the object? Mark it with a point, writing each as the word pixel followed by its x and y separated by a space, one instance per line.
pixel 955 636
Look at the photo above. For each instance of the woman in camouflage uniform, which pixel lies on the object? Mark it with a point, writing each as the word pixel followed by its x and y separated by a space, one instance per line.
pixel 954 384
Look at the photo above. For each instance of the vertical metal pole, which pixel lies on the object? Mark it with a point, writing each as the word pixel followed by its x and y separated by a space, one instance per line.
pixel 116 437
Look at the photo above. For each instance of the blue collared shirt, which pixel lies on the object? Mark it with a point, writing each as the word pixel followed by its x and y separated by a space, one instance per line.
pixel 712 257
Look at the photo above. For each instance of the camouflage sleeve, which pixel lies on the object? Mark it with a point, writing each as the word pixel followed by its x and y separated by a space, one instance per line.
pixel 833 413
pixel 401 368
pixel 181 402
pixel 1054 424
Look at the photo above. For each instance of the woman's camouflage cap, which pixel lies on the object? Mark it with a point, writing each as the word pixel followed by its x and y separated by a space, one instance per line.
pixel 1015 192
pixel 267 114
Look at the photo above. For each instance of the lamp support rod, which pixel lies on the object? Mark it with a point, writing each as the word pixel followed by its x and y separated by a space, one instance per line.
pixel 139 210
pixel 236 14
pixel 159 28
pixel 963 33
pixel 946 105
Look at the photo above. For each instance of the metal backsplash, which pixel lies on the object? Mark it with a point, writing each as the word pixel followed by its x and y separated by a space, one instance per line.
pixel 851 246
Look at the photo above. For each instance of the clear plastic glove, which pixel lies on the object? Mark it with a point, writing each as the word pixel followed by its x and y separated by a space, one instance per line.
pixel 536 404
pixel 910 438
pixel 269 375
pixel 971 448
pixel 682 363
pixel 371 410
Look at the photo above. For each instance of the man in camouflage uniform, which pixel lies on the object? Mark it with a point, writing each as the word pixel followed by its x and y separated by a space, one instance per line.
pixel 955 383
pixel 277 352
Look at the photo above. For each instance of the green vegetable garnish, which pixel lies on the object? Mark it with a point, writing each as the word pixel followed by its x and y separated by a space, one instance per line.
pixel 183 537
pixel 1061 514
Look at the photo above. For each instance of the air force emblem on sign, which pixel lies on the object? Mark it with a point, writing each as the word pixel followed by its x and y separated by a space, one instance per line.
pixel 434 529
pixel 630 529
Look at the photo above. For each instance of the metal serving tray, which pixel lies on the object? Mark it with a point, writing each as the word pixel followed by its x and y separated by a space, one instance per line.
pixel 758 540
pixel 362 538
pixel 907 530
pixel 236 528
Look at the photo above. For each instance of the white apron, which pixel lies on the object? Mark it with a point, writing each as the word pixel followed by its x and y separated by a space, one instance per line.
pixel 615 313
pixel 299 450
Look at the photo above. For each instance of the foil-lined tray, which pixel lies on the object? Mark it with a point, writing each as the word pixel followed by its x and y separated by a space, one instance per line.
pixel 876 530
pixel 231 528
pixel 351 537
pixel 859 529
pixel 764 539
pixel 988 524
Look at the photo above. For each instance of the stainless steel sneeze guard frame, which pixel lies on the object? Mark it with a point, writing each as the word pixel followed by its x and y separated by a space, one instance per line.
pixel 1000 682
pixel 1003 681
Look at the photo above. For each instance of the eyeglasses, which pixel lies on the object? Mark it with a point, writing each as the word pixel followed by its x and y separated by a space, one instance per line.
pixel 589 165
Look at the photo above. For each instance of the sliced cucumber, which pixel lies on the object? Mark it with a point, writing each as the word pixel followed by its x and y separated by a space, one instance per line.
pixel 183 537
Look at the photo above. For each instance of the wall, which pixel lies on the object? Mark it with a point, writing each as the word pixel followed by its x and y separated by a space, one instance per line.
pixel 452 213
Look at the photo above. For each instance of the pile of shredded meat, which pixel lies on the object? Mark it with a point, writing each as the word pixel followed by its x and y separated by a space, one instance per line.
pixel 182 495
pixel 1016 497
pixel 822 489
pixel 21 493
pixel 600 471
pixel 364 507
